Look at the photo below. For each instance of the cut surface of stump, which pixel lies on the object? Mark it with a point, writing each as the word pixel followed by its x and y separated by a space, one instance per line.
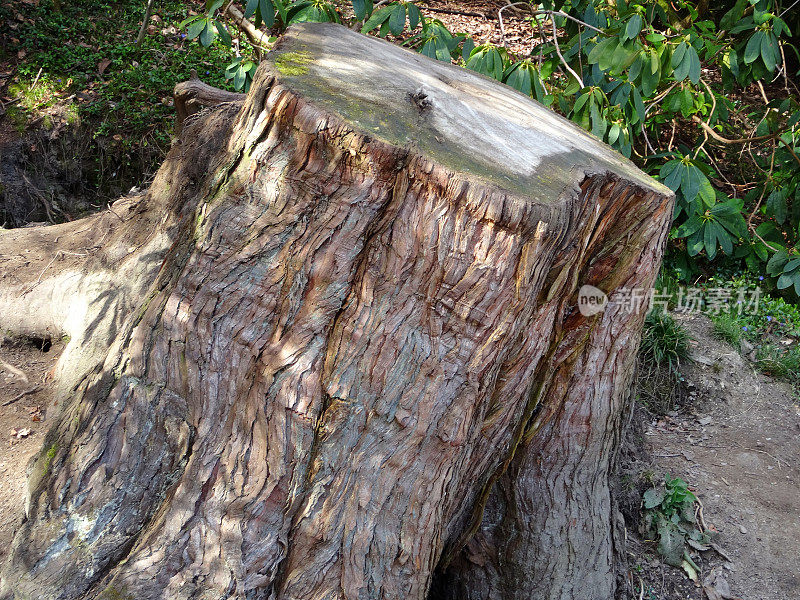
pixel 335 351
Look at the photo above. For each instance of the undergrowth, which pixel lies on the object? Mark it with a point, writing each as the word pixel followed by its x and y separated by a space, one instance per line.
pixel 79 71
pixel 665 345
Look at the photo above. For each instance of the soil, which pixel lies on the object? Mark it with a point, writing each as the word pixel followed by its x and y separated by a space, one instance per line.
pixel 24 365
pixel 736 441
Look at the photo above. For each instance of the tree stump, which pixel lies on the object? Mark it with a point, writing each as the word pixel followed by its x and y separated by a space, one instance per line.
pixel 334 352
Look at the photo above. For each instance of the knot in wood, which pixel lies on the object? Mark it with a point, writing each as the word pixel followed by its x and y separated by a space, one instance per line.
pixel 421 99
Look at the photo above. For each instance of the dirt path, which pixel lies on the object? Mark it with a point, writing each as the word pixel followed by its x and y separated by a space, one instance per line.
pixel 738 447
pixel 28 412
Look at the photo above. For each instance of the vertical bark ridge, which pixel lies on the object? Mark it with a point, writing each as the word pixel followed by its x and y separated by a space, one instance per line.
pixel 555 492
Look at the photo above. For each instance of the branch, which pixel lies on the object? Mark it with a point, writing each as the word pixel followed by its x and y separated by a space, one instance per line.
pixel 257 37
pixel 722 140
pixel 145 21
pixel 193 95
pixel 561 56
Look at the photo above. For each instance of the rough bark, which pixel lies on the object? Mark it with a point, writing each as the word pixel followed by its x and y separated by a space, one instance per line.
pixel 341 322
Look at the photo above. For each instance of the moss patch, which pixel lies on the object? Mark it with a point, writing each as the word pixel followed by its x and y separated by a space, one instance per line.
pixel 293 63
pixel 48 458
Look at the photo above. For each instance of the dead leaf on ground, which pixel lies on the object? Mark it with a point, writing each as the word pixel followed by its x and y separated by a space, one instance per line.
pixel 716 587
pixel 35 413
pixel 20 433
pixel 103 65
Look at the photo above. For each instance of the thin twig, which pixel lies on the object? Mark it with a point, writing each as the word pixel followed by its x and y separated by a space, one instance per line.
pixel 148 10
pixel 22 395
pixel 710 116
pixel 258 38
pixel 36 80
pixel 567 16
pixel 763 191
pixel 561 56
pixel 500 18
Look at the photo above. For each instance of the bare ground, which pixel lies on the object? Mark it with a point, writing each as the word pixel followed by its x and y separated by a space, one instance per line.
pixel 24 367
pixel 736 442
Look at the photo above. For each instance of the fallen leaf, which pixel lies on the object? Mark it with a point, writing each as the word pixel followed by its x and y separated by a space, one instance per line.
pixel 103 65
pixel 20 433
pixel 716 587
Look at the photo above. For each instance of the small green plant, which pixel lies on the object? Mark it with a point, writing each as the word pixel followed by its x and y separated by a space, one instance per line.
pixel 665 342
pixel 773 360
pixel 669 515
pixel 728 328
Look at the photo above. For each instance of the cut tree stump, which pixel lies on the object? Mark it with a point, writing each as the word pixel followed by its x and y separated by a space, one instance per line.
pixel 335 352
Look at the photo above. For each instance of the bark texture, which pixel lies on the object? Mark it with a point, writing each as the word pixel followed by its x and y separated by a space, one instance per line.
pixel 335 352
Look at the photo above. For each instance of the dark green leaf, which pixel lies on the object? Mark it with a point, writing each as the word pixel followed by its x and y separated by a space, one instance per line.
pixel 397 20
pixel 377 18
pixel 362 8
pixel 414 16
pixel 267 11
pixel 633 27
pixel 769 52
pixel 196 28
pixel 653 497
pixel 753 49
pixel 694 65
pixel 776 205
pixel 224 36
pixel 710 240
pixel 678 55
pixel 467 48
pixel 250 8
pixel 208 34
